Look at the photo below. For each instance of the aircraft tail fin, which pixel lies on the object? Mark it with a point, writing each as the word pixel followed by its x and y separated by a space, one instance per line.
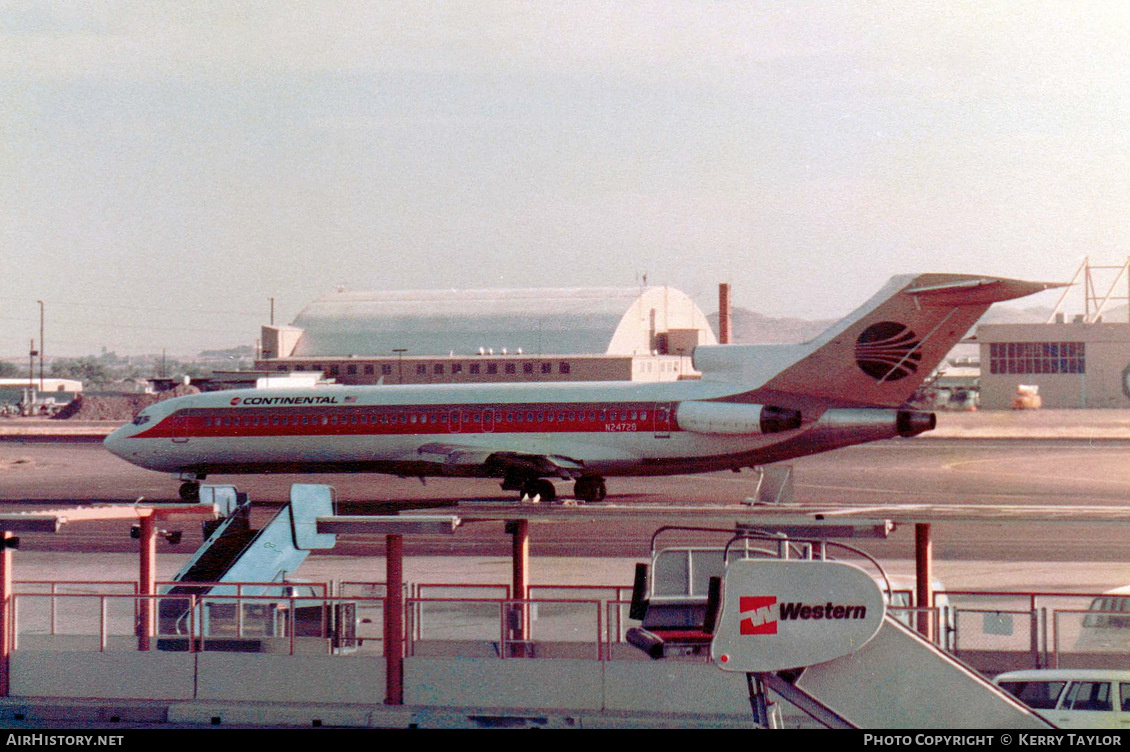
pixel 881 352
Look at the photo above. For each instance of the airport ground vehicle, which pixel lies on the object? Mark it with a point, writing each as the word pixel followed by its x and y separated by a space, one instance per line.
pixel 212 599
pixel 1107 629
pixel 754 405
pixel 1073 698
pixel 674 597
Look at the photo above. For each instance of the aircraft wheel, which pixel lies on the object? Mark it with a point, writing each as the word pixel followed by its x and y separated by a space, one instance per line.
pixel 190 492
pixel 539 487
pixel 590 489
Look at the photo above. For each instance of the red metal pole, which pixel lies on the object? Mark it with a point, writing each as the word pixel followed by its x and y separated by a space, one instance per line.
pixel 394 620
pixel 924 577
pixel 147 582
pixel 520 548
pixel 7 629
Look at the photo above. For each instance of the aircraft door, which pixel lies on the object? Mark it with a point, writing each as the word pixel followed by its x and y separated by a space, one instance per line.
pixel 453 423
pixel 180 427
pixel 661 425
pixel 488 420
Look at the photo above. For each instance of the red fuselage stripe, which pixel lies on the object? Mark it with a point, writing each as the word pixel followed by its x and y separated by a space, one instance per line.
pixel 407 420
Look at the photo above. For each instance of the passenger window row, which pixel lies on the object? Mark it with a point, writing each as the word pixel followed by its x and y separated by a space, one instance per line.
pixel 439 418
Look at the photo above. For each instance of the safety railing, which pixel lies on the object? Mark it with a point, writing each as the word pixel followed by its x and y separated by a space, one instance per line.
pixel 991 630
pixel 505 628
pixel 297 622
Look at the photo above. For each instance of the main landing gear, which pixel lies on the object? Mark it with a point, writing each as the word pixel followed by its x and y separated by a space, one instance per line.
pixel 190 489
pixel 528 487
pixel 590 488
pixel 587 488
pixel 536 487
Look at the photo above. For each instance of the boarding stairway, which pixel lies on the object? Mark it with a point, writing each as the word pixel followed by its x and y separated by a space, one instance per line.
pixel 233 552
pixel 814 632
pixel 900 680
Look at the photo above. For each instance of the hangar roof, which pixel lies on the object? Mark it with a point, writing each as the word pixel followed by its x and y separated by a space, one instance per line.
pixel 615 321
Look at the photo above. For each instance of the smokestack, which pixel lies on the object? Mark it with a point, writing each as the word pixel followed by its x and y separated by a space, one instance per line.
pixel 724 313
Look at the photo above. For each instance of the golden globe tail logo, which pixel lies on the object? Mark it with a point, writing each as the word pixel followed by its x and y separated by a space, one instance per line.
pixel 887 351
pixel 779 614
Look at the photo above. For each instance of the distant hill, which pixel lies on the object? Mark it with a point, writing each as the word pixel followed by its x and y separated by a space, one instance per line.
pixel 232 353
pixel 999 314
pixel 752 328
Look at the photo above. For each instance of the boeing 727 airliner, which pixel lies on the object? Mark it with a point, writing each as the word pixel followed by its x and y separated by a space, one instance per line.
pixel 755 404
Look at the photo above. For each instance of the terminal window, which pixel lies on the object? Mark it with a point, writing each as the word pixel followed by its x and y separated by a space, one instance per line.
pixel 1037 357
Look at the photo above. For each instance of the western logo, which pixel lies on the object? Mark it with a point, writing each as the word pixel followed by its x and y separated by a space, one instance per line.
pixel 763 614
pixel 887 351
pixel 761 619
pixel 806 611
pixel 235 400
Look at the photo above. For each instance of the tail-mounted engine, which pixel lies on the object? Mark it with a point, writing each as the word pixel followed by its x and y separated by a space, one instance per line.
pixel 734 418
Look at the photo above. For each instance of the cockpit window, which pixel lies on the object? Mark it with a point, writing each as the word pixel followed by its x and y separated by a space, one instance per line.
pixel 141 419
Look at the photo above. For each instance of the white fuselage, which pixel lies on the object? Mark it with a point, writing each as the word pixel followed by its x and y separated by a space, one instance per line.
pixel 598 429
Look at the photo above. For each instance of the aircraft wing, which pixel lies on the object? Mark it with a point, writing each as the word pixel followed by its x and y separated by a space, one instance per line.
pixel 531 463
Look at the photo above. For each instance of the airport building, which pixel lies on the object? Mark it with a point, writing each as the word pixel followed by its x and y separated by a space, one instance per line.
pixel 1074 365
pixel 1083 362
pixel 477 336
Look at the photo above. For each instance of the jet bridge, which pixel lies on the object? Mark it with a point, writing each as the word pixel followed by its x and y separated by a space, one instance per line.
pixel 233 552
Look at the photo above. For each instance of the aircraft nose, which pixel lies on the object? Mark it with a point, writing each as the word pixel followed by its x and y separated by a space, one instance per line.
pixel 114 443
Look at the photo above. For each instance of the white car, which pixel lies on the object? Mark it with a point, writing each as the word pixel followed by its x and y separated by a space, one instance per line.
pixel 1073 698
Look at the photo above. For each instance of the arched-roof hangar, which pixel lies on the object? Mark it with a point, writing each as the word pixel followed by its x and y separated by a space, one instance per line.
pixel 611 332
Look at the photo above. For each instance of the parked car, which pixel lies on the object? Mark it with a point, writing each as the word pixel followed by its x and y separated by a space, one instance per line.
pixel 1073 698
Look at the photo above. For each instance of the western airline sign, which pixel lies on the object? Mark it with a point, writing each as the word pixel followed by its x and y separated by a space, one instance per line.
pixel 780 614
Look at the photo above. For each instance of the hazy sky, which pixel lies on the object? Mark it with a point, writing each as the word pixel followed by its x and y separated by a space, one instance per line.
pixel 166 167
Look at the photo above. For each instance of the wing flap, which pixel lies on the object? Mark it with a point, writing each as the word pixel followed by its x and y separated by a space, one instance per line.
pixel 500 461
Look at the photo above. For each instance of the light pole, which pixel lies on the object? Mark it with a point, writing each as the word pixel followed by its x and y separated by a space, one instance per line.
pixel 31 353
pixel 42 349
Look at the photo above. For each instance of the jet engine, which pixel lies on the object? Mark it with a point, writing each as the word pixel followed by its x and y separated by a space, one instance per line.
pixel 840 427
pixel 735 418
